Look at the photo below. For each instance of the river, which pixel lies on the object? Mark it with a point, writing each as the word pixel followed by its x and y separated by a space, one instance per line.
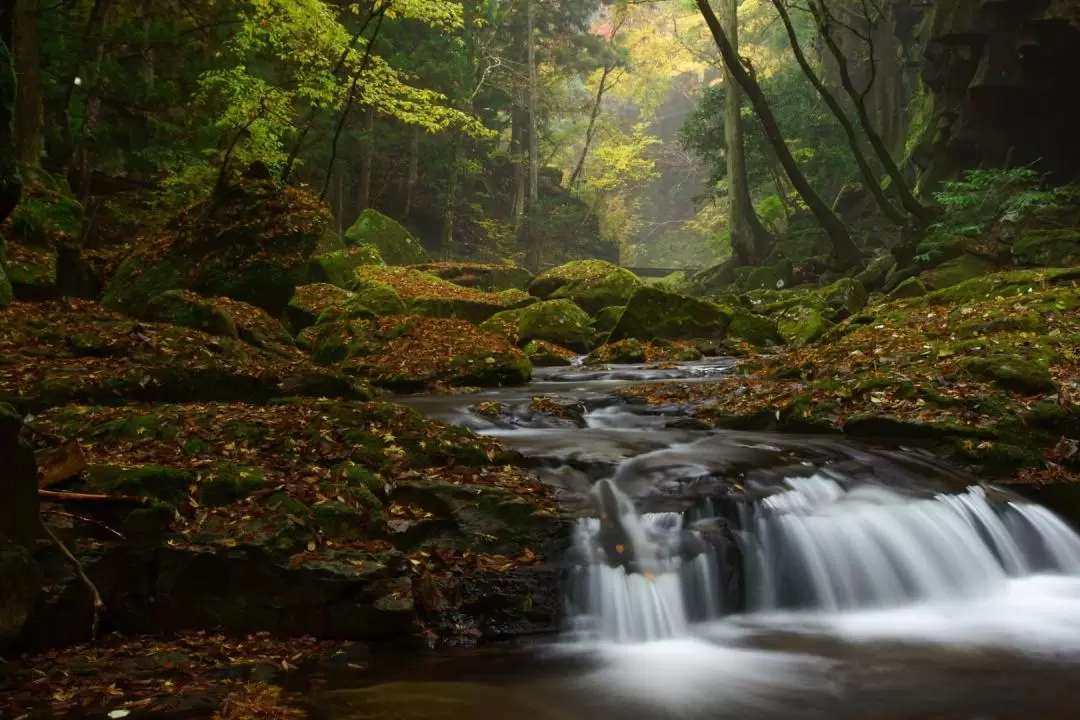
pixel 766 577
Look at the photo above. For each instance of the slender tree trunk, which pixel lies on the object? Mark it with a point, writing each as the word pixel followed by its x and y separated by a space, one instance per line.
pixel 922 213
pixel 28 145
pixel 367 161
pixel 414 170
pixel 517 152
pixel 533 249
pixel 10 183
pixel 81 161
pixel 869 179
pixel 594 115
pixel 845 252
pixel 749 238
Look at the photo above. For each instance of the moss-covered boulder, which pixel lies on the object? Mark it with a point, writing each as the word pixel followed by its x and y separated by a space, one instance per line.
pixel 654 314
pixel 395 245
pixel 413 352
pixel 483 276
pixel 6 292
pixel 802 325
pixel 431 296
pixel 955 271
pixel 1055 247
pixel 20 576
pixel 76 351
pixel 877 270
pixel 910 288
pixel 545 354
pixel 221 316
pixel 252 242
pixel 311 301
pixel 591 284
pixel 635 352
pixel 753 328
pixel 47 221
pixel 339 267
pixel 556 321
pixel 606 320
pixel 843 298
pixel 773 277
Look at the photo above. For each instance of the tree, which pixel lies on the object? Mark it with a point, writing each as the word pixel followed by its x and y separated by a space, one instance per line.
pixel 10 183
pixel 845 252
pixel 28 139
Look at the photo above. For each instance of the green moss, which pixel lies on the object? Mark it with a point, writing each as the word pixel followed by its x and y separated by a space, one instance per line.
pixel 483 276
pixel 754 329
pixel 224 483
pixel 544 354
pixel 389 238
pixel 606 320
pixel 1056 247
pixel 311 301
pixel 372 299
pixel 339 267
pixel 956 271
pixel 910 288
pixel 1012 373
pixel 187 309
pixel 591 284
pixel 654 314
pixel 556 321
pixel 802 325
pixel 157 483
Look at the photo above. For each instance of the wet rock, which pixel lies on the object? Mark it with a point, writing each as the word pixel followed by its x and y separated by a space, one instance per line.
pixel 545 354
pixel 389 238
pixel 591 284
pixel 252 243
pixel 634 352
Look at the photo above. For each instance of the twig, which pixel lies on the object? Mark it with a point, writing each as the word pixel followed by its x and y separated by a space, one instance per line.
pixel 87 497
pixel 99 604
pixel 85 519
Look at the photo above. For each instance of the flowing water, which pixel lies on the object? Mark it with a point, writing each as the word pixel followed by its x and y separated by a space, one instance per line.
pixel 744 575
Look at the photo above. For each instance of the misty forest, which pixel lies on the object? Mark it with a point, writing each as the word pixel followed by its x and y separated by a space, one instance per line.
pixel 539 359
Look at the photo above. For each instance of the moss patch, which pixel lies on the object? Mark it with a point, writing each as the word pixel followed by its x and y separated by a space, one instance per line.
pixel 394 244
pixel 555 321
pixel 591 284
pixel 654 314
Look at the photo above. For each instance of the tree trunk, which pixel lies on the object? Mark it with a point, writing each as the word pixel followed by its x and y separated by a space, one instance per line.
pixel 367 160
pixel 28 144
pixel 517 153
pixel 871 182
pixel 414 170
pixel 532 253
pixel 920 212
pixel 10 184
pixel 749 238
pixel 81 162
pixel 845 252
pixel 594 115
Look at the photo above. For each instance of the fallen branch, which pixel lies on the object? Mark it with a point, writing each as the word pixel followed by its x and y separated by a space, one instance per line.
pixel 85 519
pixel 61 496
pixel 99 604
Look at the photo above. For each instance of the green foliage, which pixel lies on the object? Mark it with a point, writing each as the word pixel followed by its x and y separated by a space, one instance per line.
pixel 981 197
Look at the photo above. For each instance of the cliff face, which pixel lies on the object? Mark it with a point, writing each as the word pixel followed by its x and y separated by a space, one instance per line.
pixel 1002 87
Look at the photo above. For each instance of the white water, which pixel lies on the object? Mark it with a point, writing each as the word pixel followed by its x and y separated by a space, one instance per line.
pixel 867 562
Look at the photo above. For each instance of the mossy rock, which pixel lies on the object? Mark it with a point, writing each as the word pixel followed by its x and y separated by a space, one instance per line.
pixel 591 284
pixel 1012 373
pixel 47 218
pixel 955 271
pixel 22 578
pixel 225 483
pixel 221 316
pixel 655 314
pixel 370 299
pixel 843 298
pixel 913 287
pixel 773 277
pixel 545 354
pixel 164 484
pixel 31 272
pixel 410 353
pixel 876 272
pixel 430 296
pixel 6 293
pixel 311 301
pixel 606 320
pixel 482 276
pixel 753 328
pixel 1057 247
pixel 635 352
pixel 555 321
pixel 802 325
pixel 395 245
pixel 339 267
pixel 251 242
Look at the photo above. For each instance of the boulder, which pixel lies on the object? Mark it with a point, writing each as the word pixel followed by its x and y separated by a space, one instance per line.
pixel 483 276
pixel 555 321
pixel 635 352
pixel 394 244
pixel 753 328
pixel 311 301
pixel 910 288
pixel 606 320
pixel 654 314
pixel 1057 247
pixel 409 352
pixel 591 284
pixel 431 296
pixel 545 354
pixel 251 243
pixel 20 575
pixel 339 267
pixel 221 316
pixel 877 270
pixel 46 221
pixel 956 271
pixel 6 292
pixel 802 325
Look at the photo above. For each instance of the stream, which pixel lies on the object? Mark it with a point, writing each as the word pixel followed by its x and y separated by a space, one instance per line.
pixel 718 574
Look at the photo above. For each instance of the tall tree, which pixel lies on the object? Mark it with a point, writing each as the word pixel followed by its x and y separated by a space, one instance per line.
pixel 749 238
pixel 10 184
pixel 845 252
pixel 28 141
pixel 532 257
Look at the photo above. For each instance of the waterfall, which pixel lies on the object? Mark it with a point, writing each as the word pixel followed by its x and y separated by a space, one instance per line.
pixel 815 545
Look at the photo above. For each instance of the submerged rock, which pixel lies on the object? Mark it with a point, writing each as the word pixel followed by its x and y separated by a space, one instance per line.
pixel 591 284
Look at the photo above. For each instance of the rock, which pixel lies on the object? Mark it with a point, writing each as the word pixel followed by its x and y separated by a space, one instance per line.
pixel 877 270
pixel 713 279
pixel 76 351
pixel 545 354
pixel 482 276
pixel 956 271
pixel 221 316
pixel 389 238
pixel 910 288
pixel 431 296
pixel 6 293
pixel 46 220
pixel 591 284
pixel 755 329
pixel 339 267
pixel 606 320
pixel 773 278
pixel 20 575
pixel 843 298
pixel 634 352
pixel 1058 247
pixel 555 321
pixel 414 352
pixel 252 243
pixel 802 325
pixel 311 301
pixel 654 314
